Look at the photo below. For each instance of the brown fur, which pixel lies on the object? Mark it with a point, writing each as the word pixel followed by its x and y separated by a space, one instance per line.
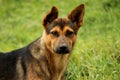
pixel 47 57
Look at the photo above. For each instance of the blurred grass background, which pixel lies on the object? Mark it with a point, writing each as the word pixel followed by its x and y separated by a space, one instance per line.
pixel 96 55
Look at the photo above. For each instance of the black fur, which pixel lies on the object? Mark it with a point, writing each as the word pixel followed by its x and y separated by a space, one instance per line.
pixel 8 63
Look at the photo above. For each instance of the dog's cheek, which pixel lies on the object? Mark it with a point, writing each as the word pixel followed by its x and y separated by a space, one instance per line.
pixel 54 44
pixel 72 41
pixel 70 44
pixel 48 42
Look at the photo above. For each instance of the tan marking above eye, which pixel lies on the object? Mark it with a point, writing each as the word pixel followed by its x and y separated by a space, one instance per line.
pixel 55 31
pixel 67 28
pixel 56 28
pixel 68 31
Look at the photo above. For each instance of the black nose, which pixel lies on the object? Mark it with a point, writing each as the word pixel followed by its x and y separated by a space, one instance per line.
pixel 63 49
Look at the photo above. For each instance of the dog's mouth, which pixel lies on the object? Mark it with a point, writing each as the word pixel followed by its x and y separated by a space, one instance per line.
pixel 62 50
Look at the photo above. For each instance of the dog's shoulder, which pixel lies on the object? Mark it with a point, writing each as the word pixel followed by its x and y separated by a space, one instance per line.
pixel 10 62
pixel 6 57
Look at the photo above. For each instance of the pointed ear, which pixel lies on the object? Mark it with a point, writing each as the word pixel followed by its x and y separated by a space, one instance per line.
pixel 76 16
pixel 52 15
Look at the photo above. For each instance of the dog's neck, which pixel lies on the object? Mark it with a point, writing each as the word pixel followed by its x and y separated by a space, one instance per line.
pixel 54 64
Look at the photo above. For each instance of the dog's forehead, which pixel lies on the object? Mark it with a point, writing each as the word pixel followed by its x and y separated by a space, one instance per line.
pixel 61 22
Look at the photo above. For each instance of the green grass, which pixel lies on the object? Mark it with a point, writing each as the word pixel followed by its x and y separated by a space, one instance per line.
pixel 96 55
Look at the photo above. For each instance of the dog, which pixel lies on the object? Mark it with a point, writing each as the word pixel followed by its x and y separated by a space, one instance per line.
pixel 47 57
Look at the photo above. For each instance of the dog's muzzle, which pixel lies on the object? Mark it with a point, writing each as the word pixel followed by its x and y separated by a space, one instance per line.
pixel 63 49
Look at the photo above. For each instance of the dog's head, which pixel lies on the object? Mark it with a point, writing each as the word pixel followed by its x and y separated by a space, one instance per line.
pixel 60 33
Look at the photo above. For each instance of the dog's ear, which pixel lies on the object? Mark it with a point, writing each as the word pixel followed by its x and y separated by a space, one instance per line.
pixel 52 15
pixel 76 16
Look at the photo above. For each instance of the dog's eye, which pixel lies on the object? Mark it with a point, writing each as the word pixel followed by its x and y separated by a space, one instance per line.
pixel 55 33
pixel 69 33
